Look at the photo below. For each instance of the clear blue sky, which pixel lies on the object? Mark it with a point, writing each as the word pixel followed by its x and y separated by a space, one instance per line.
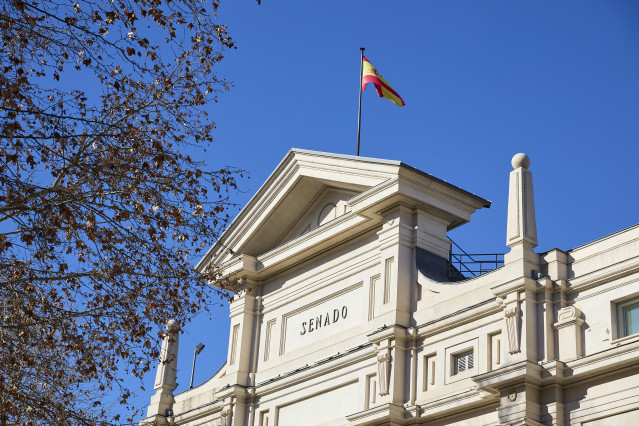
pixel 482 80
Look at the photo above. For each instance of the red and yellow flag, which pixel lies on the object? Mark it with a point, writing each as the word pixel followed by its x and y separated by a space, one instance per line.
pixel 371 75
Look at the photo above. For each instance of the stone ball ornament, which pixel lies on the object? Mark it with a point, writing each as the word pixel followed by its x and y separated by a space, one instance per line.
pixel 520 160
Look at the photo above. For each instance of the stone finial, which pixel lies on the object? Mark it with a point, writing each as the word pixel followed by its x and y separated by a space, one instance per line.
pixel 520 160
pixel 522 227
pixel 166 376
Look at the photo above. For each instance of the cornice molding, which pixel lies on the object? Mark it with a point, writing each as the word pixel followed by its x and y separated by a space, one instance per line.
pixel 456 319
pixel 520 283
pixel 454 403
pixel 559 372
pixel 604 275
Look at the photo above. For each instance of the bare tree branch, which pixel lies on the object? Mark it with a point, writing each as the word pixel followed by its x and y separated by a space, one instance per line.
pixel 104 199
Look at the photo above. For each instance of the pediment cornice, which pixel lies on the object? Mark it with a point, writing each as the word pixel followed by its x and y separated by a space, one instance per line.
pixel 269 227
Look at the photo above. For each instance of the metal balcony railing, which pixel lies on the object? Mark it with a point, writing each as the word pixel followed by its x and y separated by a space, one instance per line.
pixel 461 265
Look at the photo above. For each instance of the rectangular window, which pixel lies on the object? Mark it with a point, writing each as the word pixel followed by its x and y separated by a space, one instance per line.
pixel 463 362
pixel 628 317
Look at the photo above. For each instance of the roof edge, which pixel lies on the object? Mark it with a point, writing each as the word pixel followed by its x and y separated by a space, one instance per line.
pixel 287 158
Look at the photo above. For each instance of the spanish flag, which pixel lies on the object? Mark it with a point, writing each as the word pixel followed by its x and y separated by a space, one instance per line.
pixel 371 75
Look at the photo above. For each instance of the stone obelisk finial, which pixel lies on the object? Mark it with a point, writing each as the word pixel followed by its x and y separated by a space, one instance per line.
pixel 521 234
pixel 166 376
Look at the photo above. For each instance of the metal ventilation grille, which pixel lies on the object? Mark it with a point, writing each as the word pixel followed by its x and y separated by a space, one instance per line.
pixel 463 362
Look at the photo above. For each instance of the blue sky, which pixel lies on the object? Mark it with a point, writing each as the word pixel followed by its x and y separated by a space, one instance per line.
pixel 482 80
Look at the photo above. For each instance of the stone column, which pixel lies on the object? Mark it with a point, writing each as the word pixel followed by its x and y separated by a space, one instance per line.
pixel 166 376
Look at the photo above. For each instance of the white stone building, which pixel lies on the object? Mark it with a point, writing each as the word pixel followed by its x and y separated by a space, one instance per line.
pixel 348 311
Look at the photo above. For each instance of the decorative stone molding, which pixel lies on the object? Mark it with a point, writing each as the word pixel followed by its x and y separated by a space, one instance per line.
pixel 390 222
pixel 568 328
pixel 226 417
pixel 383 371
pixel 569 313
pixel 512 328
pixel 522 340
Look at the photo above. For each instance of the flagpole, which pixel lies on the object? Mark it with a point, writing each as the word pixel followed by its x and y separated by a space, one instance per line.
pixel 359 117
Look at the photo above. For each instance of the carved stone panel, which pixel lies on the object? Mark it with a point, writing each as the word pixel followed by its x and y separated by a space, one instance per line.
pixel 383 371
pixel 512 328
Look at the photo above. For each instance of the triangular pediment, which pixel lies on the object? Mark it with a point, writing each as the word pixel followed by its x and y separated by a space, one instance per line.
pixel 315 200
pixel 308 204
pixel 307 190
pixel 328 205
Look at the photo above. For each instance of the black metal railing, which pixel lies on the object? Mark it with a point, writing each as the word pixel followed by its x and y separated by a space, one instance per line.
pixel 462 265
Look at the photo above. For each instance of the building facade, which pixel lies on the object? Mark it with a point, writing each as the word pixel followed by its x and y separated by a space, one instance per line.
pixel 349 311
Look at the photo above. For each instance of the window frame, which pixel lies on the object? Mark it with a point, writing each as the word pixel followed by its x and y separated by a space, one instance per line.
pixel 461 347
pixel 622 326
pixel 468 355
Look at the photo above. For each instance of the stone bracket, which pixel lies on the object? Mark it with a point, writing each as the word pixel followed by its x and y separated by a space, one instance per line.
pixel 568 328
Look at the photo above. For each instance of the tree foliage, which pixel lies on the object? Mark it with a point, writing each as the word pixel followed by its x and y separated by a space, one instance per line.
pixel 104 199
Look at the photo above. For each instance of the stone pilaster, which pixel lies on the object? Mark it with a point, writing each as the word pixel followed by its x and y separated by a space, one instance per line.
pixel 245 314
pixel 392 375
pixel 547 314
pixel 397 263
pixel 519 323
pixel 244 311
pixel 519 405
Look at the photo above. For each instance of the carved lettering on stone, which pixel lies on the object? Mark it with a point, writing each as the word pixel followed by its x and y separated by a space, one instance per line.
pixel 512 327
pixel 383 372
